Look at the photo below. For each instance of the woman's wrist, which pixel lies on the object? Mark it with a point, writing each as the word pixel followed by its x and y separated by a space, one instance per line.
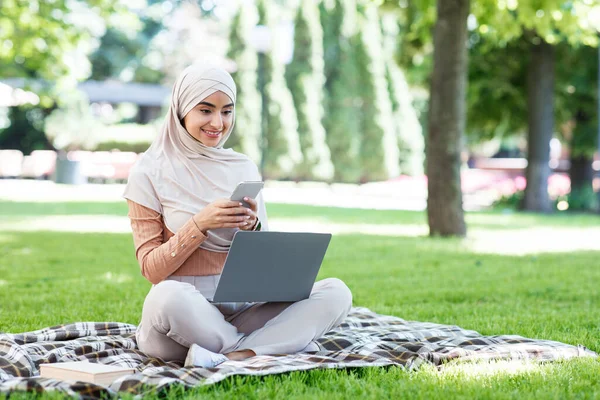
pixel 200 224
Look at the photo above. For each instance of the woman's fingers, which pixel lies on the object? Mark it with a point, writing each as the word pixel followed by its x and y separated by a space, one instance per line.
pixel 252 202
pixel 231 214
pixel 235 207
pixel 234 218
pixel 237 211
pixel 240 225
pixel 226 203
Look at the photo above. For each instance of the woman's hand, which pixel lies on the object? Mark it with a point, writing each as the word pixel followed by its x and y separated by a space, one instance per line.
pixel 225 213
pixel 253 211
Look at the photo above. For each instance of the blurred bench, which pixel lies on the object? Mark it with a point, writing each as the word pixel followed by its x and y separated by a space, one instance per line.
pixel 515 166
pixel 105 166
pixel 40 164
pixel 11 162
pixel 97 166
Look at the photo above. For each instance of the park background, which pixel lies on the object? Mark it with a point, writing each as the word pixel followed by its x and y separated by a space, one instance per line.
pixel 368 120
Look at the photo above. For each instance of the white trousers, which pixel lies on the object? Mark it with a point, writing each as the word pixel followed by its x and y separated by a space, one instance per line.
pixel 176 314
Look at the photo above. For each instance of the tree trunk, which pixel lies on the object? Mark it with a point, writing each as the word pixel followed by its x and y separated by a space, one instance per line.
pixel 582 197
pixel 581 173
pixel 540 105
pixel 447 119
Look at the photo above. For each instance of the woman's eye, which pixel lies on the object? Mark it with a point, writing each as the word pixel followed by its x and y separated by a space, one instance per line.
pixel 227 112
pixel 205 111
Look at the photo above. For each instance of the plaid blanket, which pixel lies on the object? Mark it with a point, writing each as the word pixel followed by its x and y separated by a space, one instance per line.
pixel 364 339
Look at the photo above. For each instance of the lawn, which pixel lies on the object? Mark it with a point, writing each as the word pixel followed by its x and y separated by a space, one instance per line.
pixel 48 278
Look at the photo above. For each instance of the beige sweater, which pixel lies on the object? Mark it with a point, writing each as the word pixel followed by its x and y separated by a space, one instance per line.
pixel 162 253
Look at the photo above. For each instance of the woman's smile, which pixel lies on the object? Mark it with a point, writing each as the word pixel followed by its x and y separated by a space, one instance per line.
pixel 211 134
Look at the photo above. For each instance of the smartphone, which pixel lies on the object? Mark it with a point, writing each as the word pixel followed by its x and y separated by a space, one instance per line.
pixel 246 189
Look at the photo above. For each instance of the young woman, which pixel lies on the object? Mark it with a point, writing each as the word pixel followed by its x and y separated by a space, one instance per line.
pixel 183 225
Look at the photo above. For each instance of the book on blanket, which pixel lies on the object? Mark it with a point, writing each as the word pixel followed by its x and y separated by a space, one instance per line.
pixel 100 374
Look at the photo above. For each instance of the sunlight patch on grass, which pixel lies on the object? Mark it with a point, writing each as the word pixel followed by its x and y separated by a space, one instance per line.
pixel 23 251
pixel 477 370
pixel 322 226
pixel 533 240
pixel 512 219
pixel 4 238
pixel 117 278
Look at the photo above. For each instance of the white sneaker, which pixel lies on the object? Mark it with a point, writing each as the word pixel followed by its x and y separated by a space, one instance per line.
pixel 200 357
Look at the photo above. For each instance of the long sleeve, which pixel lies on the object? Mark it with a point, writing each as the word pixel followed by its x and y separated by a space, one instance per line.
pixel 159 258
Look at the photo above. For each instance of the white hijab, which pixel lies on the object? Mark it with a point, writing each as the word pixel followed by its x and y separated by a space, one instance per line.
pixel 178 176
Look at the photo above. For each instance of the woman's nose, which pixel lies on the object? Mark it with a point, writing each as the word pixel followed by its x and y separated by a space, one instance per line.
pixel 217 121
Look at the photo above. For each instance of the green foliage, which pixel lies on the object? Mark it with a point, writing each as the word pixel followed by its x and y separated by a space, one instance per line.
pixel 551 20
pixel 117 52
pixel 114 53
pixel 35 35
pixel 415 41
pixel 579 199
pixel 496 94
pixel 372 126
pixel 512 201
pixel 378 153
pixel 497 102
pixel 305 77
pixel 26 129
pixel 498 52
pixel 511 30
pixel 411 143
pixel 577 100
pixel 35 39
pixel 128 48
pixel 126 137
pixel 136 147
pixel 73 126
pixel 577 97
pixel 584 139
pixel 281 152
pixel 246 136
pixel 64 130
pixel 339 21
pixel 343 117
pixel 582 199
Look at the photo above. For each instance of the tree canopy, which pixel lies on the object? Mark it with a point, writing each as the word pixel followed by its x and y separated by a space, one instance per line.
pixel 38 36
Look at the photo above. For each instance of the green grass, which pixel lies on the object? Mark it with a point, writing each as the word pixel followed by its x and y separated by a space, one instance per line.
pixel 49 278
pixel 496 219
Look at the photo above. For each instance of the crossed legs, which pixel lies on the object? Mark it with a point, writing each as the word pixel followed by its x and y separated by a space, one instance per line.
pixel 176 315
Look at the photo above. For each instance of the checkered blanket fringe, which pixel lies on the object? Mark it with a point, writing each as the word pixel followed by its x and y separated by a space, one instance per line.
pixel 364 339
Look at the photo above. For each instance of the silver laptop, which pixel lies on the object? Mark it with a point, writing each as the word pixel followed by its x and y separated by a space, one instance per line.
pixel 271 266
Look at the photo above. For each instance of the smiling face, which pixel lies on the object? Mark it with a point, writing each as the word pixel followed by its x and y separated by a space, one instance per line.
pixel 211 119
